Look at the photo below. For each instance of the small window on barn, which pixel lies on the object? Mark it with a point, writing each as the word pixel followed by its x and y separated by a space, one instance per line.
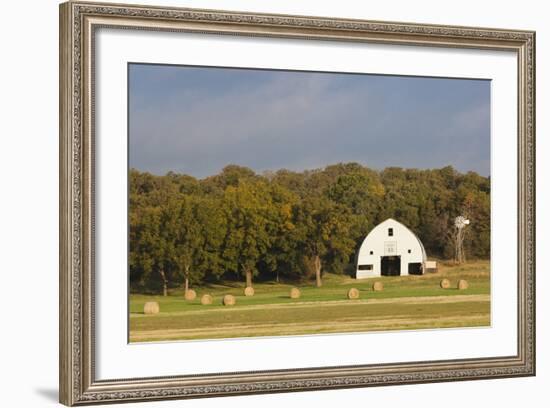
pixel 390 232
pixel 364 267
pixel 409 251
pixel 371 252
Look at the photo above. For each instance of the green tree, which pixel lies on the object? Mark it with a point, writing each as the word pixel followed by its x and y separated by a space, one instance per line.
pixel 322 229
pixel 198 227
pixel 247 239
pixel 361 191
pixel 152 250
pixel 280 258
pixel 187 240
pixel 210 215
pixel 294 224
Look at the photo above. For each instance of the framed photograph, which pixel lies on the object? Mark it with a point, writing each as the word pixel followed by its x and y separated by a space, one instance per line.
pixel 255 203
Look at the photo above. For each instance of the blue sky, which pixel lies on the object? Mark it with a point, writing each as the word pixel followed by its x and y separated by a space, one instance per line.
pixel 196 120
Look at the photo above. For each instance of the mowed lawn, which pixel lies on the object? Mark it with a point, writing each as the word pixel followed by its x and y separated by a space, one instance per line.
pixel 408 302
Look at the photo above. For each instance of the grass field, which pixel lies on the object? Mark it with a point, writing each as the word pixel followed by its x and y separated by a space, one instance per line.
pixel 408 302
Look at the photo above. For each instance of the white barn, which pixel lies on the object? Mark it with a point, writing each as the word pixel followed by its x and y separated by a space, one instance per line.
pixel 390 249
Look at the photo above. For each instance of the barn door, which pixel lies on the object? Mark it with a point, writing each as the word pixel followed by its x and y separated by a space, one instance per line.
pixel 390 266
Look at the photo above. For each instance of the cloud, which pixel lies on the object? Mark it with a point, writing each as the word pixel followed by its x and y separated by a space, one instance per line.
pixel 271 120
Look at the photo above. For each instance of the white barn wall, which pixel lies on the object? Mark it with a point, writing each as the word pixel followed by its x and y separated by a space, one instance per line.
pixel 376 241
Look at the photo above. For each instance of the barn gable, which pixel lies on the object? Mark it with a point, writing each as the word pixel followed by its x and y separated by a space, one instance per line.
pixel 390 249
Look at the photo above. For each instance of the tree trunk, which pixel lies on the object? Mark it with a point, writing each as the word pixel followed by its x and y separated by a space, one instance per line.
pixel 317 266
pixel 164 283
pixel 186 279
pixel 248 274
pixel 277 276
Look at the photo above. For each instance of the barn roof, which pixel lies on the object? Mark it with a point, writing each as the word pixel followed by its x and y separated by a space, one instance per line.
pixel 408 229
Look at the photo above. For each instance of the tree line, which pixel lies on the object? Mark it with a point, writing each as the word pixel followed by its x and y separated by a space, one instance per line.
pixel 292 226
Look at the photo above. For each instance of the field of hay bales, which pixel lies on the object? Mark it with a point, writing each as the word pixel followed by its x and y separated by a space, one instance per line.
pixel 408 302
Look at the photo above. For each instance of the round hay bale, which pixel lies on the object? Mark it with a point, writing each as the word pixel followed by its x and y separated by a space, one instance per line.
pixel 462 284
pixel 206 299
pixel 445 283
pixel 151 308
pixel 190 294
pixel 249 291
pixel 378 286
pixel 229 300
pixel 353 293
pixel 295 293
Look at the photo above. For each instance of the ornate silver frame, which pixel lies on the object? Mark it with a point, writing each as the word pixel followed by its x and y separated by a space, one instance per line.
pixel 78 22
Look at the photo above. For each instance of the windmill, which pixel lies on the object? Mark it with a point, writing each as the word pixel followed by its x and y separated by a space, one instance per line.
pixel 460 223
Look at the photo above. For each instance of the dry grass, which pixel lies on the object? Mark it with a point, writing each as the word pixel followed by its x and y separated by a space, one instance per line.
pixel 407 302
pixel 206 299
pixel 295 293
pixel 308 318
pixel 353 293
pixel 462 284
pixel 229 300
pixel 151 308
pixel 190 295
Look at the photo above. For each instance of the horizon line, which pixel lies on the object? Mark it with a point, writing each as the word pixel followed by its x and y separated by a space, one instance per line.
pixel 313 169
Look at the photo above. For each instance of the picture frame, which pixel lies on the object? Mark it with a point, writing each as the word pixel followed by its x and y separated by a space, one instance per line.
pixel 79 24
